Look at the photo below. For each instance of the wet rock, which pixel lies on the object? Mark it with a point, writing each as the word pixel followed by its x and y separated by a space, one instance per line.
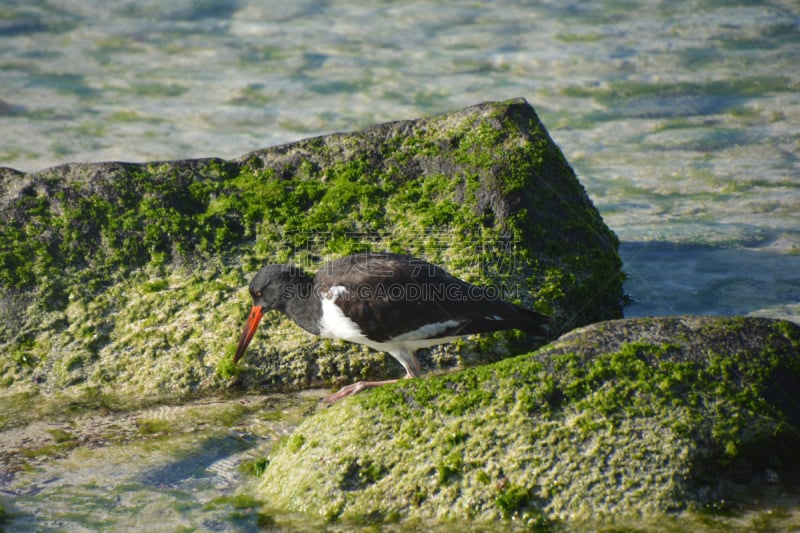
pixel 625 418
pixel 129 279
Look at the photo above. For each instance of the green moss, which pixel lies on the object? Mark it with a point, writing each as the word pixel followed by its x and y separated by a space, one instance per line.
pixel 227 417
pixel 644 427
pixel 155 285
pixel 48 450
pixel 135 273
pixel 295 442
pixel 786 329
pixel 155 427
pixel 144 214
pixel 243 507
pixel 256 467
pixel 227 369
pixel 511 500
pixel 60 435
pixel 74 362
pixel 239 501
pixel 22 352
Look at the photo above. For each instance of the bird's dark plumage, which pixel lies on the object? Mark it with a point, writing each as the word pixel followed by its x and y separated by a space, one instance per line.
pixel 388 295
pixel 389 302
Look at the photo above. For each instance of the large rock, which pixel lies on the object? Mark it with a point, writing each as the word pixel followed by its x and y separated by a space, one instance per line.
pixel 129 278
pixel 626 419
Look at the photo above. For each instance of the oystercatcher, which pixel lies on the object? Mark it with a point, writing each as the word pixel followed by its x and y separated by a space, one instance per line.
pixel 389 302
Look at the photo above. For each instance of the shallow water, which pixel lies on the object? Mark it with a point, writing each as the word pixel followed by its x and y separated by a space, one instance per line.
pixel 165 468
pixel 681 120
pixel 673 279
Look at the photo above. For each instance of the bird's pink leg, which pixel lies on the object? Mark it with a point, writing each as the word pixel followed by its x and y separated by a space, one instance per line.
pixel 355 388
pixel 409 362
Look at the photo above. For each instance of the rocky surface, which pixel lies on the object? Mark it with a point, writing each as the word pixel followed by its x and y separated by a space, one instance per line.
pixel 627 418
pixel 128 280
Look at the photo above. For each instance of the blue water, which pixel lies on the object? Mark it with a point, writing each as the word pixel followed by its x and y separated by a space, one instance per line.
pixel 681 119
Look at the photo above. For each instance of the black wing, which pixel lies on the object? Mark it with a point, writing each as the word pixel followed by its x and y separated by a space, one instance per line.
pixel 388 295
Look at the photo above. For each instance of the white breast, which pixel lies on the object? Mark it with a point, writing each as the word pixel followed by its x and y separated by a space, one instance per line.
pixel 333 324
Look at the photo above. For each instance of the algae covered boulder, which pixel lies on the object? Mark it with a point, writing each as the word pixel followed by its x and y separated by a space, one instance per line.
pixel 130 278
pixel 636 418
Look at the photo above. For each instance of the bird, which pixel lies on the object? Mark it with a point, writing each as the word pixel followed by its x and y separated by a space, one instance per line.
pixel 389 302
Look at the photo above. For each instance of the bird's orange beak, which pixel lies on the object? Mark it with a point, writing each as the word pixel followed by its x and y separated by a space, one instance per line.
pixel 249 330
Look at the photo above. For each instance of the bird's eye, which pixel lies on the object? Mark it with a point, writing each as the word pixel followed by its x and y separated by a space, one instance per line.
pixel 257 294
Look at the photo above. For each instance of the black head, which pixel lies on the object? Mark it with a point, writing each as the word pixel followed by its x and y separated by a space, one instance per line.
pixel 274 285
pixel 270 289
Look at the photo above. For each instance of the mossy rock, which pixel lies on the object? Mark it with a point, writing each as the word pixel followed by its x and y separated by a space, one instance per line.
pixel 622 419
pixel 130 279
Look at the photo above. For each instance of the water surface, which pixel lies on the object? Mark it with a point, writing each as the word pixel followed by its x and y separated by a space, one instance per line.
pixel 167 468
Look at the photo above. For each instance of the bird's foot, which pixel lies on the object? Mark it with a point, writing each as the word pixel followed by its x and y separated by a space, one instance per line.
pixel 355 388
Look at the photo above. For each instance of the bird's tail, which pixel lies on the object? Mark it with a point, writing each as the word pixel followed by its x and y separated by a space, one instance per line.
pixel 532 322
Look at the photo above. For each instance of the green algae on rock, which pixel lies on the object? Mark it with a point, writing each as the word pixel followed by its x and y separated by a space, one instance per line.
pixel 636 417
pixel 130 278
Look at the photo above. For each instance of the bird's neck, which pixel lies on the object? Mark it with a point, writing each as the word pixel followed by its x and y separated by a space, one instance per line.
pixel 304 308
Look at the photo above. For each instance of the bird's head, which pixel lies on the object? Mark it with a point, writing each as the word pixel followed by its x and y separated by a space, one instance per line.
pixel 270 289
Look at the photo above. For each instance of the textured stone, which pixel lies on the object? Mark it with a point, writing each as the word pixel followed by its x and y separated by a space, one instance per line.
pixel 130 279
pixel 621 419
